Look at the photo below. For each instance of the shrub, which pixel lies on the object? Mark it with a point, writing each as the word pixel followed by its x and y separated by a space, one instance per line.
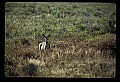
pixel 7 35
pixel 109 24
pixel 25 42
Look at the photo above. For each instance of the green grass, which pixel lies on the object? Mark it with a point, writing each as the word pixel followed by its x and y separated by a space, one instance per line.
pixel 83 41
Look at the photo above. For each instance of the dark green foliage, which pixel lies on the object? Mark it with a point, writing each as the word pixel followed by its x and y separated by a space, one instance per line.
pixel 30 70
pixel 7 35
pixel 108 45
pixel 25 42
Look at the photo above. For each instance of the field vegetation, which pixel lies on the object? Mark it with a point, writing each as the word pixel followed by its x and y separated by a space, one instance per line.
pixel 83 39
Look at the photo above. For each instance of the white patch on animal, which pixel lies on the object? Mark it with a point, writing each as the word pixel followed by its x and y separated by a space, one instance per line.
pixel 44 45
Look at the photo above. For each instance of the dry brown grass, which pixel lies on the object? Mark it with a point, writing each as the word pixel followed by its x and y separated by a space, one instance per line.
pixel 65 59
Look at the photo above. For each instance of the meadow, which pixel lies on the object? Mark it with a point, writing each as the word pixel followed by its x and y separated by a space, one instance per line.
pixel 82 39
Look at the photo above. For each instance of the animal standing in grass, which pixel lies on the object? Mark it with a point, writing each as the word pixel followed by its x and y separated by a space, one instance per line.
pixel 44 45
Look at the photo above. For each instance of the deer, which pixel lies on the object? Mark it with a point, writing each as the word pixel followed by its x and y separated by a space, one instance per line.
pixel 44 45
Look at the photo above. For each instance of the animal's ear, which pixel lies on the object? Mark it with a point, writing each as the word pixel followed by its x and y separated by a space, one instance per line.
pixel 43 35
pixel 49 35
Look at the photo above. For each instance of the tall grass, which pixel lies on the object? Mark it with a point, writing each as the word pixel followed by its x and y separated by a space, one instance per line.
pixel 64 59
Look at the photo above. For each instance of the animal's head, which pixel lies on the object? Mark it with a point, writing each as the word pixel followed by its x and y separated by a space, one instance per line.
pixel 46 37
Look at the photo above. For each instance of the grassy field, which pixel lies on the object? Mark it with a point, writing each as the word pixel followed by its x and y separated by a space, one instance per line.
pixel 83 39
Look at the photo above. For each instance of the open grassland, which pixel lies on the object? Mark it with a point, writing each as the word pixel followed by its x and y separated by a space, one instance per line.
pixel 83 40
